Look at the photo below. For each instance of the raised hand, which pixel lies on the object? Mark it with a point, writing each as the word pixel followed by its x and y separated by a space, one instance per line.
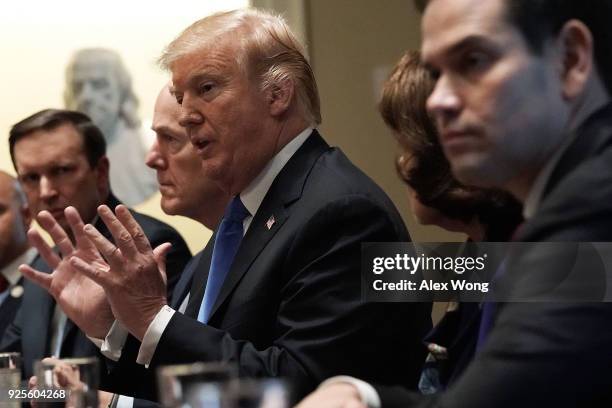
pixel 83 300
pixel 135 283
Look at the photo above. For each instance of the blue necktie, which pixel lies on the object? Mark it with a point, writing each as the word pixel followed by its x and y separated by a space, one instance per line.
pixel 489 309
pixel 227 242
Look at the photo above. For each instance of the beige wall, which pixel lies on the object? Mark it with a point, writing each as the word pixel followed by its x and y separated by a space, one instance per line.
pixel 353 45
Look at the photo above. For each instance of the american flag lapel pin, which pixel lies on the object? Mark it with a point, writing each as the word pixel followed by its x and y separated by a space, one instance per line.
pixel 270 222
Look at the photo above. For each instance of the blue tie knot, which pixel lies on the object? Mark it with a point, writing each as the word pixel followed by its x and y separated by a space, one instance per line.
pixel 236 211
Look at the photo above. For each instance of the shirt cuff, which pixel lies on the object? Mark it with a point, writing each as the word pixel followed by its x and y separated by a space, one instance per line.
pixel 112 346
pixel 366 392
pixel 124 402
pixel 97 342
pixel 153 334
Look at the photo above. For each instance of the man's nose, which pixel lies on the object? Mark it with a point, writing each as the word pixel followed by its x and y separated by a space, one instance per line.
pixel 48 190
pixel 190 116
pixel 154 158
pixel 444 102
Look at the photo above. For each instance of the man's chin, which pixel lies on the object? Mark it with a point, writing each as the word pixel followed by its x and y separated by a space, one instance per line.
pixel 472 173
pixel 169 207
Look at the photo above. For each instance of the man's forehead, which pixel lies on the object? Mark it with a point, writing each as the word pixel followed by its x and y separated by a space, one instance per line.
pixel 61 138
pixel 211 61
pixel 448 23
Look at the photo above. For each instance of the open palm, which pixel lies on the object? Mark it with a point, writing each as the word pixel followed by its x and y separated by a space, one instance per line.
pixel 83 300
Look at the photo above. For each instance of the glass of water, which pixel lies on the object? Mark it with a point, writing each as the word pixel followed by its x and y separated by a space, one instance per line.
pixel 194 385
pixel 257 393
pixel 10 375
pixel 79 376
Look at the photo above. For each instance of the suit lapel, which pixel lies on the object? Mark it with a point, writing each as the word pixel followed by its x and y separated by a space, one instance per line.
pixel 284 191
pixel 40 304
pixel 9 307
pixel 592 137
pixel 183 285
pixel 198 282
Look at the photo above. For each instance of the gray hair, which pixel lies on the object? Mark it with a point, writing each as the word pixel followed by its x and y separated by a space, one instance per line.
pixel 267 51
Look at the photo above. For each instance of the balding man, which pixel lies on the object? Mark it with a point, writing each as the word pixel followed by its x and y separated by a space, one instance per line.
pixel 14 247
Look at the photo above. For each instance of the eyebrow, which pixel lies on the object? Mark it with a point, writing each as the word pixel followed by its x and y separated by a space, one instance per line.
pixel 165 129
pixel 471 41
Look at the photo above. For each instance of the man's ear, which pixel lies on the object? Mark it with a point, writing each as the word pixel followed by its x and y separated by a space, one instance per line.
pixel 102 174
pixel 280 95
pixel 576 46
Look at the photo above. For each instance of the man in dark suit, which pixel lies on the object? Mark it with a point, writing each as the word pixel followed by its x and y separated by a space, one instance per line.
pixel 60 159
pixel 14 247
pixel 522 102
pixel 278 288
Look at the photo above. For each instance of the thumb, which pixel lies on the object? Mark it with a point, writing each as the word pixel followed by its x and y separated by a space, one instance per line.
pixel 159 253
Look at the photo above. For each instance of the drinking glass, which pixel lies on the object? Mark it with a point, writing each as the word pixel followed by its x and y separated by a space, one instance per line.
pixel 79 376
pixel 10 376
pixel 256 393
pixel 194 385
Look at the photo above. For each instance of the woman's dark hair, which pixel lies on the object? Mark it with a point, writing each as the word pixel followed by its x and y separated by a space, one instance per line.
pixel 403 108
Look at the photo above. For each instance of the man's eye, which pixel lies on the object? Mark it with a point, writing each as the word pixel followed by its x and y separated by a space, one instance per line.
pixel 167 138
pixel 206 87
pixel 179 99
pixel 475 60
pixel 29 178
pixel 62 170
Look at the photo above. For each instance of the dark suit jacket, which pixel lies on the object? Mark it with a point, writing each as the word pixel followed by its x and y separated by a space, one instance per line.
pixel 8 309
pixel 291 304
pixel 30 334
pixel 553 354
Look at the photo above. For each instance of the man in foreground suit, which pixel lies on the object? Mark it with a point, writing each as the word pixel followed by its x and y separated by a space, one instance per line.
pixel 522 102
pixel 14 247
pixel 60 159
pixel 290 304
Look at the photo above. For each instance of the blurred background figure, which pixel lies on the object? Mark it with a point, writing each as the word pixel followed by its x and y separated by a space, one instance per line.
pixel 14 247
pixel 99 85
pixel 437 198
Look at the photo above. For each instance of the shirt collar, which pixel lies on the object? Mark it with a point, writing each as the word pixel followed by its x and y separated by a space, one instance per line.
pixel 252 196
pixel 11 271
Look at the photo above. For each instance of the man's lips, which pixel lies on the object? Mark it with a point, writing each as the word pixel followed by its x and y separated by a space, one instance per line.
pixel 165 186
pixel 450 135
